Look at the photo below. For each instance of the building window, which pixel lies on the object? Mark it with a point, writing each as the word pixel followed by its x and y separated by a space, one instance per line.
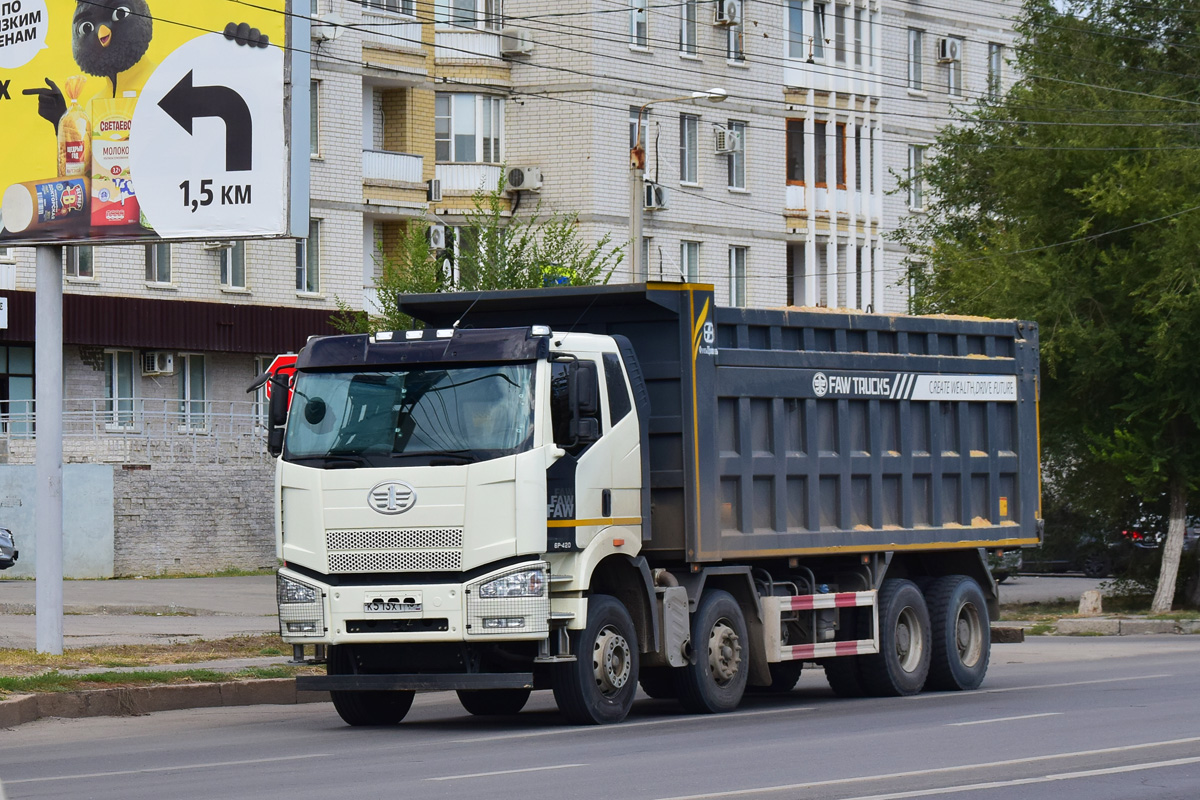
pixel 871 161
pixel 79 261
pixel 916 180
pixel 638 35
pixel 915 43
pixel 737 276
pixel 16 389
pixel 7 255
pixel 158 263
pixel 484 14
pixel 192 397
pixel 645 263
pixel 687 27
pixel 261 406
pixel 689 261
pixel 308 260
pixel 839 33
pixel 689 148
pixel 633 125
pixel 820 149
pixel 795 21
pixel 233 266
pixel 406 7
pixel 795 152
pixel 737 159
pixel 118 388
pixel 859 143
pixel 314 117
pixel 817 44
pixel 860 33
pixel 735 41
pixel 995 65
pixel 954 69
pixel 468 128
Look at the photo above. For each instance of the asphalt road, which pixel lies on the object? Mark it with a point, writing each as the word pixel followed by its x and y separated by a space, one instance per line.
pixel 1046 588
pixel 1072 718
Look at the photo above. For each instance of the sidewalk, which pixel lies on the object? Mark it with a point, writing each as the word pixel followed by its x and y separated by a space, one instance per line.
pixel 144 611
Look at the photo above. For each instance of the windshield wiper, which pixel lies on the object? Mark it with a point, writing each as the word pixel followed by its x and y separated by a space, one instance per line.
pixel 332 460
pixel 462 456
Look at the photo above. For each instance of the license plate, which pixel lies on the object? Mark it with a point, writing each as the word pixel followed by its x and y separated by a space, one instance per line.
pixel 382 607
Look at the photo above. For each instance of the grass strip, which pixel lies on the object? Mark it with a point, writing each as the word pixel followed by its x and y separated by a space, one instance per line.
pixel 55 681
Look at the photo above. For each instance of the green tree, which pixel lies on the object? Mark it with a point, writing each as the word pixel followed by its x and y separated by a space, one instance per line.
pixel 492 251
pixel 1073 200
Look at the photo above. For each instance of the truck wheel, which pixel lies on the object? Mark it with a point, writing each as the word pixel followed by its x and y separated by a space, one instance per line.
pixel 658 682
pixel 493 702
pixel 598 688
pixel 784 677
pixel 716 681
pixel 961 634
pixel 364 708
pixel 843 676
pixel 902 663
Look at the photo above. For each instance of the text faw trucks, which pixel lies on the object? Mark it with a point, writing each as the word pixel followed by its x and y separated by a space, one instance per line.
pixel 585 489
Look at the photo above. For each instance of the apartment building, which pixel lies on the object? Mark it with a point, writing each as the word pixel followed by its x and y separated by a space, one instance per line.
pixel 780 194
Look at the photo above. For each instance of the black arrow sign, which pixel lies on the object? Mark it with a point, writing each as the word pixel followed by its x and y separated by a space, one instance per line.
pixel 186 102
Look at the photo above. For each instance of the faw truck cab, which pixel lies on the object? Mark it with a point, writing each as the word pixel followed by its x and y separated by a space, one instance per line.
pixel 595 488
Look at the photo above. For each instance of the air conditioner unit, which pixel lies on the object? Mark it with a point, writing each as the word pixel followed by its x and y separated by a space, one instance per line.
pixel 155 362
pixel 217 245
pixel 515 42
pixel 437 237
pixel 728 12
pixel 949 50
pixel 433 190
pixel 524 179
pixel 656 197
pixel 727 141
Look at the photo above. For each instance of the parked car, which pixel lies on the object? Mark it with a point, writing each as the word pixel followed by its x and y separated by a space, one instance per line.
pixel 8 549
pixel 1094 553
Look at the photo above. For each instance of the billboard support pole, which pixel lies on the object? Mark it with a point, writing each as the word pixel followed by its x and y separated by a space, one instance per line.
pixel 48 391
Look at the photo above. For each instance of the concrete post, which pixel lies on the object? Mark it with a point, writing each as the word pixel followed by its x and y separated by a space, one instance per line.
pixel 48 511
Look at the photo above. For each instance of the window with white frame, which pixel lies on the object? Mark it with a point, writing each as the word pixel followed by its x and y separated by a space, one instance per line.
pixel 916 39
pixel 468 128
pixel 821 149
pixel 308 260
pixel 817 43
pixel 7 254
pixel 190 385
pixel 689 148
pixel 633 125
pixel 406 7
pixel 647 249
pixel 261 363
pixel 479 14
pixel 916 180
pixel 79 262
pixel 737 276
pixel 638 29
pixel 796 46
pixel 158 262
pixel 954 72
pixel 994 67
pixel 233 266
pixel 735 41
pixel 840 48
pixel 737 159
pixel 860 36
pixel 314 118
pixel 689 261
pixel 118 388
pixel 687 27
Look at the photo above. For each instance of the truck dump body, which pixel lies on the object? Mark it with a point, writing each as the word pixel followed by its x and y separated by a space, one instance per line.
pixel 780 433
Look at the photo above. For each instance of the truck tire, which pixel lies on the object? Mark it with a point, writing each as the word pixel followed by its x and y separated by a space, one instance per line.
pixel 598 688
pixel 493 702
pixel 843 676
pixel 715 683
pixel 902 663
pixel 364 708
pixel 658 682
pixel 784 677
pixel 961 634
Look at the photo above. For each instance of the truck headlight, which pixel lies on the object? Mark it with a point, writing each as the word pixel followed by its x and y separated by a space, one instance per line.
pixel 301 612
pixel 291 591
pixel 527 583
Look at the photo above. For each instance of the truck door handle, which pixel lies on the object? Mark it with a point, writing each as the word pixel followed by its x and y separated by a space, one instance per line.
pixel 606 503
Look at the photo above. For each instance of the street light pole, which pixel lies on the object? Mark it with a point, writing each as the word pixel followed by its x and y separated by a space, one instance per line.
pixel 637 172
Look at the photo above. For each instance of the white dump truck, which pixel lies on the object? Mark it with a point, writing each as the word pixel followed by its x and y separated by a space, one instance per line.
pixel 588 489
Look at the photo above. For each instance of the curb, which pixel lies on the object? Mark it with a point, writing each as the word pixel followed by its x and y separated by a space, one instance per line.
pixel 135 701
pixel 1126 627
pixel 112 610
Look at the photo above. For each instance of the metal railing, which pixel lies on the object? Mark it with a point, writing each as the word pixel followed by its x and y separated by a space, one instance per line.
pixel 143 429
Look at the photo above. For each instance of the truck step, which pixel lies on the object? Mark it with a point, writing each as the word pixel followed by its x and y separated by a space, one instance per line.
pixel 555 615
pixel 420 683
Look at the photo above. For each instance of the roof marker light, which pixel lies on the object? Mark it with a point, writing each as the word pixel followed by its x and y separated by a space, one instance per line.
pixel 540 330
pixel 445 333
pixel 414 334
pixel 383 336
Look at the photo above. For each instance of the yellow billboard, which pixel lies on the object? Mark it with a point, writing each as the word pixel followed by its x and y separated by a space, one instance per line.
pixel 109 105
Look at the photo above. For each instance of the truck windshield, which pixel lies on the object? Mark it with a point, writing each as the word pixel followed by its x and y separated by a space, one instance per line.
pixel 425 416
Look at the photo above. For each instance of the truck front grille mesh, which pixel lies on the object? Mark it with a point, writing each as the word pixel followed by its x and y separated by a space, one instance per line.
pixel 395 550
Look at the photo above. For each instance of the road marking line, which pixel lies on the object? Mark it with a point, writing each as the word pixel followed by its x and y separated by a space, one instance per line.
pixel 977 692
pixel 626 725
pixel 791 787
pixel 165 769
pixel 1005 719
pixel 504 772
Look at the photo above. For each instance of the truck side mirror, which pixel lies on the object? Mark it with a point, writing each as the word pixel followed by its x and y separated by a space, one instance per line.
pixel 585 403
pixel 277 413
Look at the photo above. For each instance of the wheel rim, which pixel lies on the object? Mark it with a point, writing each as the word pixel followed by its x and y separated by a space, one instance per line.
pixel 724 653
pixel 910 642
pixel 969 634
pixel 612 661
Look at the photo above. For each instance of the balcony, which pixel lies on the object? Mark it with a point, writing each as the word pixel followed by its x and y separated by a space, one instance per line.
pixel 390 32
pixel 469 45
pixel 821 77
pixel 384 165
pixel 468 178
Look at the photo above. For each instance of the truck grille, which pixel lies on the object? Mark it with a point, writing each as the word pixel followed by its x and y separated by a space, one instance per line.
pixel 394 550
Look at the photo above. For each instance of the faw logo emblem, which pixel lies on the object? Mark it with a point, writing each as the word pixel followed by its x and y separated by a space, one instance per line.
pixel 392 497
pixel 820 384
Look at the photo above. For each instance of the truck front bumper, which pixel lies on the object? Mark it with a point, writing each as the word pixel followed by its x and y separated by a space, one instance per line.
pixel 509 604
